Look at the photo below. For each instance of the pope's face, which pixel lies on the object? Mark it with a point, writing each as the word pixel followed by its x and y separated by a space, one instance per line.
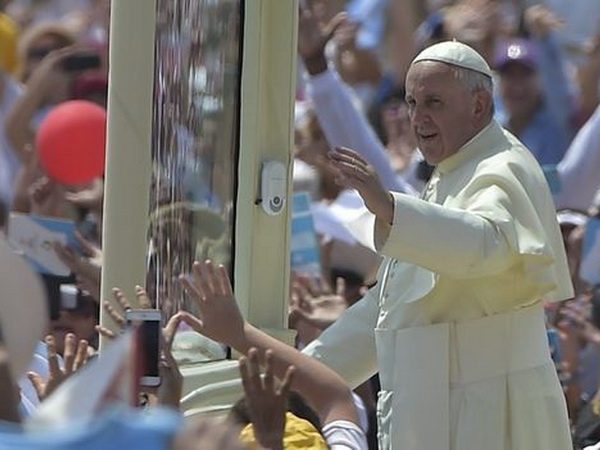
pixel 440 108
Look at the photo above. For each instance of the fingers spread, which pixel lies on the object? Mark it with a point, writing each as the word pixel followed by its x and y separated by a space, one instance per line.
pixel 118 318
pixel 346 154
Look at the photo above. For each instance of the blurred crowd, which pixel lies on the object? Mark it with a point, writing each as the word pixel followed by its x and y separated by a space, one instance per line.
pixel 546 62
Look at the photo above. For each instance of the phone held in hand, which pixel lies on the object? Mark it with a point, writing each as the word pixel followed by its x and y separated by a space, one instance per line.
pixel 82 61
pixel 149 336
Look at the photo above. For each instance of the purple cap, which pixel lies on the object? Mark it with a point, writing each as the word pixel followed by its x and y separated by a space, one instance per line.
pixel 516 51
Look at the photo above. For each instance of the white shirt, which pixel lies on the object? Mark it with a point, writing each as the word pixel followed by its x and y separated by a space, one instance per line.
pixel 344 435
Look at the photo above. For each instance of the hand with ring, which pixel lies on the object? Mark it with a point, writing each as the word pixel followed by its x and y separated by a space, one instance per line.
pixel 356 173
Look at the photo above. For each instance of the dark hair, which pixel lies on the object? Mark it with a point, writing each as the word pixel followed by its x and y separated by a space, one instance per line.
pixel 352 278
pixel 296 405
pixel 85 305
pixel 388 92
pixel 52 284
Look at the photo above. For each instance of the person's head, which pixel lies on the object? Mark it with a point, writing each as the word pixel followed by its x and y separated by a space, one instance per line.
pixel 389 116
pixel 354 283
pixel 71 310
pixel 449 97
pixel 520 84
pixel 240 416
pixel 301 421
pixel 80 319
pixel 39 41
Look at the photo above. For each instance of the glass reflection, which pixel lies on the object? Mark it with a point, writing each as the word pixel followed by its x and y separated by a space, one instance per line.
pixel 194 149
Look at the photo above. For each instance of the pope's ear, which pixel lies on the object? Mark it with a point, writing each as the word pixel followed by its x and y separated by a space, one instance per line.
pixel 482 105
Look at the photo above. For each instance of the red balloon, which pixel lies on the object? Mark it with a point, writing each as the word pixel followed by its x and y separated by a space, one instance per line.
pixel 71 142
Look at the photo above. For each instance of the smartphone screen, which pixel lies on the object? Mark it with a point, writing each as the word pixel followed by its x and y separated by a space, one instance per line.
pixel 149 328
pixel 80 62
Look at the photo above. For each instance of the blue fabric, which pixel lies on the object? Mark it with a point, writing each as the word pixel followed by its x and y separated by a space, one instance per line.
pixel 124 429
pixel 558 91
pixel 549 133
pixel 371 14
pixel 543 136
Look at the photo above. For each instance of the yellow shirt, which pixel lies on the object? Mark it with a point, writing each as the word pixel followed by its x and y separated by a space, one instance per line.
pixel 9 35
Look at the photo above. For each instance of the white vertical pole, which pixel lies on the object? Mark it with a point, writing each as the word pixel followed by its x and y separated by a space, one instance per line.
pixel 128 173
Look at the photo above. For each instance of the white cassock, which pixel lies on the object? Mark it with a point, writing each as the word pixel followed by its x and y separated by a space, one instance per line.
pixel 455 324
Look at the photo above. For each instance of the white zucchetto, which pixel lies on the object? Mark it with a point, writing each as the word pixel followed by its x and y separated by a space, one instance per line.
pixel 456 54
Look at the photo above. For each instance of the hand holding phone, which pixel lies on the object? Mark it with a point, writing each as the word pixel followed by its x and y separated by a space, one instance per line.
pixel 149 326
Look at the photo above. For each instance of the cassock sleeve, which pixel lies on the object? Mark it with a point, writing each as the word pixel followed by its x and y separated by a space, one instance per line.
pixel 498 223
pixel 454 242
pixel 348 346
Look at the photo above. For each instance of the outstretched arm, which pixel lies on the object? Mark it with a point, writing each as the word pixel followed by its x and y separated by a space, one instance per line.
pixel 222 320
pixel 342 123
pixel 578 170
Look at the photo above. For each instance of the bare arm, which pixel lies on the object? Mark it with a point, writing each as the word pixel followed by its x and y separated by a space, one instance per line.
pixel 341 121
pixel 221 320
pixel 47 84
pixel 588 75
pixel 405 21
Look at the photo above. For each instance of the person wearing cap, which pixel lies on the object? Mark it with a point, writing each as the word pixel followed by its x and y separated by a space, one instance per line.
pixel 455 324
pixel 529 92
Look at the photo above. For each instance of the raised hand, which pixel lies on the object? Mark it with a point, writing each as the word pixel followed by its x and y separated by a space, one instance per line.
pixel 75 356
pixel 541 21
pixel 221 319
pixel 90 197
pixel 169 391
pixel 312 38
pixel 317 305
pixel 355 172
pixel 118 316
pixel 266 399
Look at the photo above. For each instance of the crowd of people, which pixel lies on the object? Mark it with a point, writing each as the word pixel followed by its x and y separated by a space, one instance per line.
pixel 353 96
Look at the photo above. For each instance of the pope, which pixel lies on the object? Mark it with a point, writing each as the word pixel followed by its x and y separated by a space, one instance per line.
pixel 455 324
